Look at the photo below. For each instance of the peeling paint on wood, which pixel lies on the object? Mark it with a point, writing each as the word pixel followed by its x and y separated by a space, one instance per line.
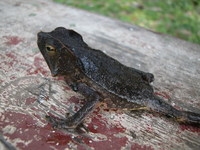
pixel 12 40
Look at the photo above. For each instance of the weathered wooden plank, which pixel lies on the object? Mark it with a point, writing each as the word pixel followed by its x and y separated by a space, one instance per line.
pixel 27 92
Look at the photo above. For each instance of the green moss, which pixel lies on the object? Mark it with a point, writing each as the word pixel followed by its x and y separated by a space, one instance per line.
pixel 179 18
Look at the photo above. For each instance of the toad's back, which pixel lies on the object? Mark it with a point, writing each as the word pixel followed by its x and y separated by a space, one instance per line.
pixel 114 76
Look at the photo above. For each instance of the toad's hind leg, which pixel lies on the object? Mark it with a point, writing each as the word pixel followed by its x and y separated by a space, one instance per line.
pixel 158 105
pixel 76 120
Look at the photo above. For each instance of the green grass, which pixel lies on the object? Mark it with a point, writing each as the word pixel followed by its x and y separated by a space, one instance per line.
pixel 180 18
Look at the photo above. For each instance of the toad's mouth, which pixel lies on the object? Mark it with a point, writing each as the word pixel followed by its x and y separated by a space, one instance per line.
pixel 53 67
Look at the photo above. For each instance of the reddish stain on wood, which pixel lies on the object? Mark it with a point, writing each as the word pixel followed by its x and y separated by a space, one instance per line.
pixel 73 99
pixel 11 55
pixel 45 137
pixel 140 147
pixel 66 87
pixel 163 94
pixel 37 64
pixel 190 128
pixel 8 60
pixel 27 125
pixel 27 129
pixel 59 78
pixel 112 141
pixel 37 67
pixel 58 138
pixel 12 40
pixel 29 101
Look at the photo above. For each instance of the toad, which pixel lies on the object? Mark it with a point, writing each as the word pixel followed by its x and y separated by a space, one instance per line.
pixel 100 78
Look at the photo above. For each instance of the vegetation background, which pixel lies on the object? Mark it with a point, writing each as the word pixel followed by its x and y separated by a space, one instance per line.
pixel 180 18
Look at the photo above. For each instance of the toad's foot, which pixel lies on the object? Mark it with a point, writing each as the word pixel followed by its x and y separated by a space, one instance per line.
pixel 59 123
pixel 66 124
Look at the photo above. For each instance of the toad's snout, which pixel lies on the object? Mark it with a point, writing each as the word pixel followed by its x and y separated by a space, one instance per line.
pixel 40 35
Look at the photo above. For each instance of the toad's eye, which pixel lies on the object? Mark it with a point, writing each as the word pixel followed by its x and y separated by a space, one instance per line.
pixel 50 49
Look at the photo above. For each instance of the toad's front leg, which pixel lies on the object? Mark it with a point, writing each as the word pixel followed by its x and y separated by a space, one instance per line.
pixel 76 120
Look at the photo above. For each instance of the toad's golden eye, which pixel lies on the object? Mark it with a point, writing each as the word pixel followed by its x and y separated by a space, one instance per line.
pixel 50 49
